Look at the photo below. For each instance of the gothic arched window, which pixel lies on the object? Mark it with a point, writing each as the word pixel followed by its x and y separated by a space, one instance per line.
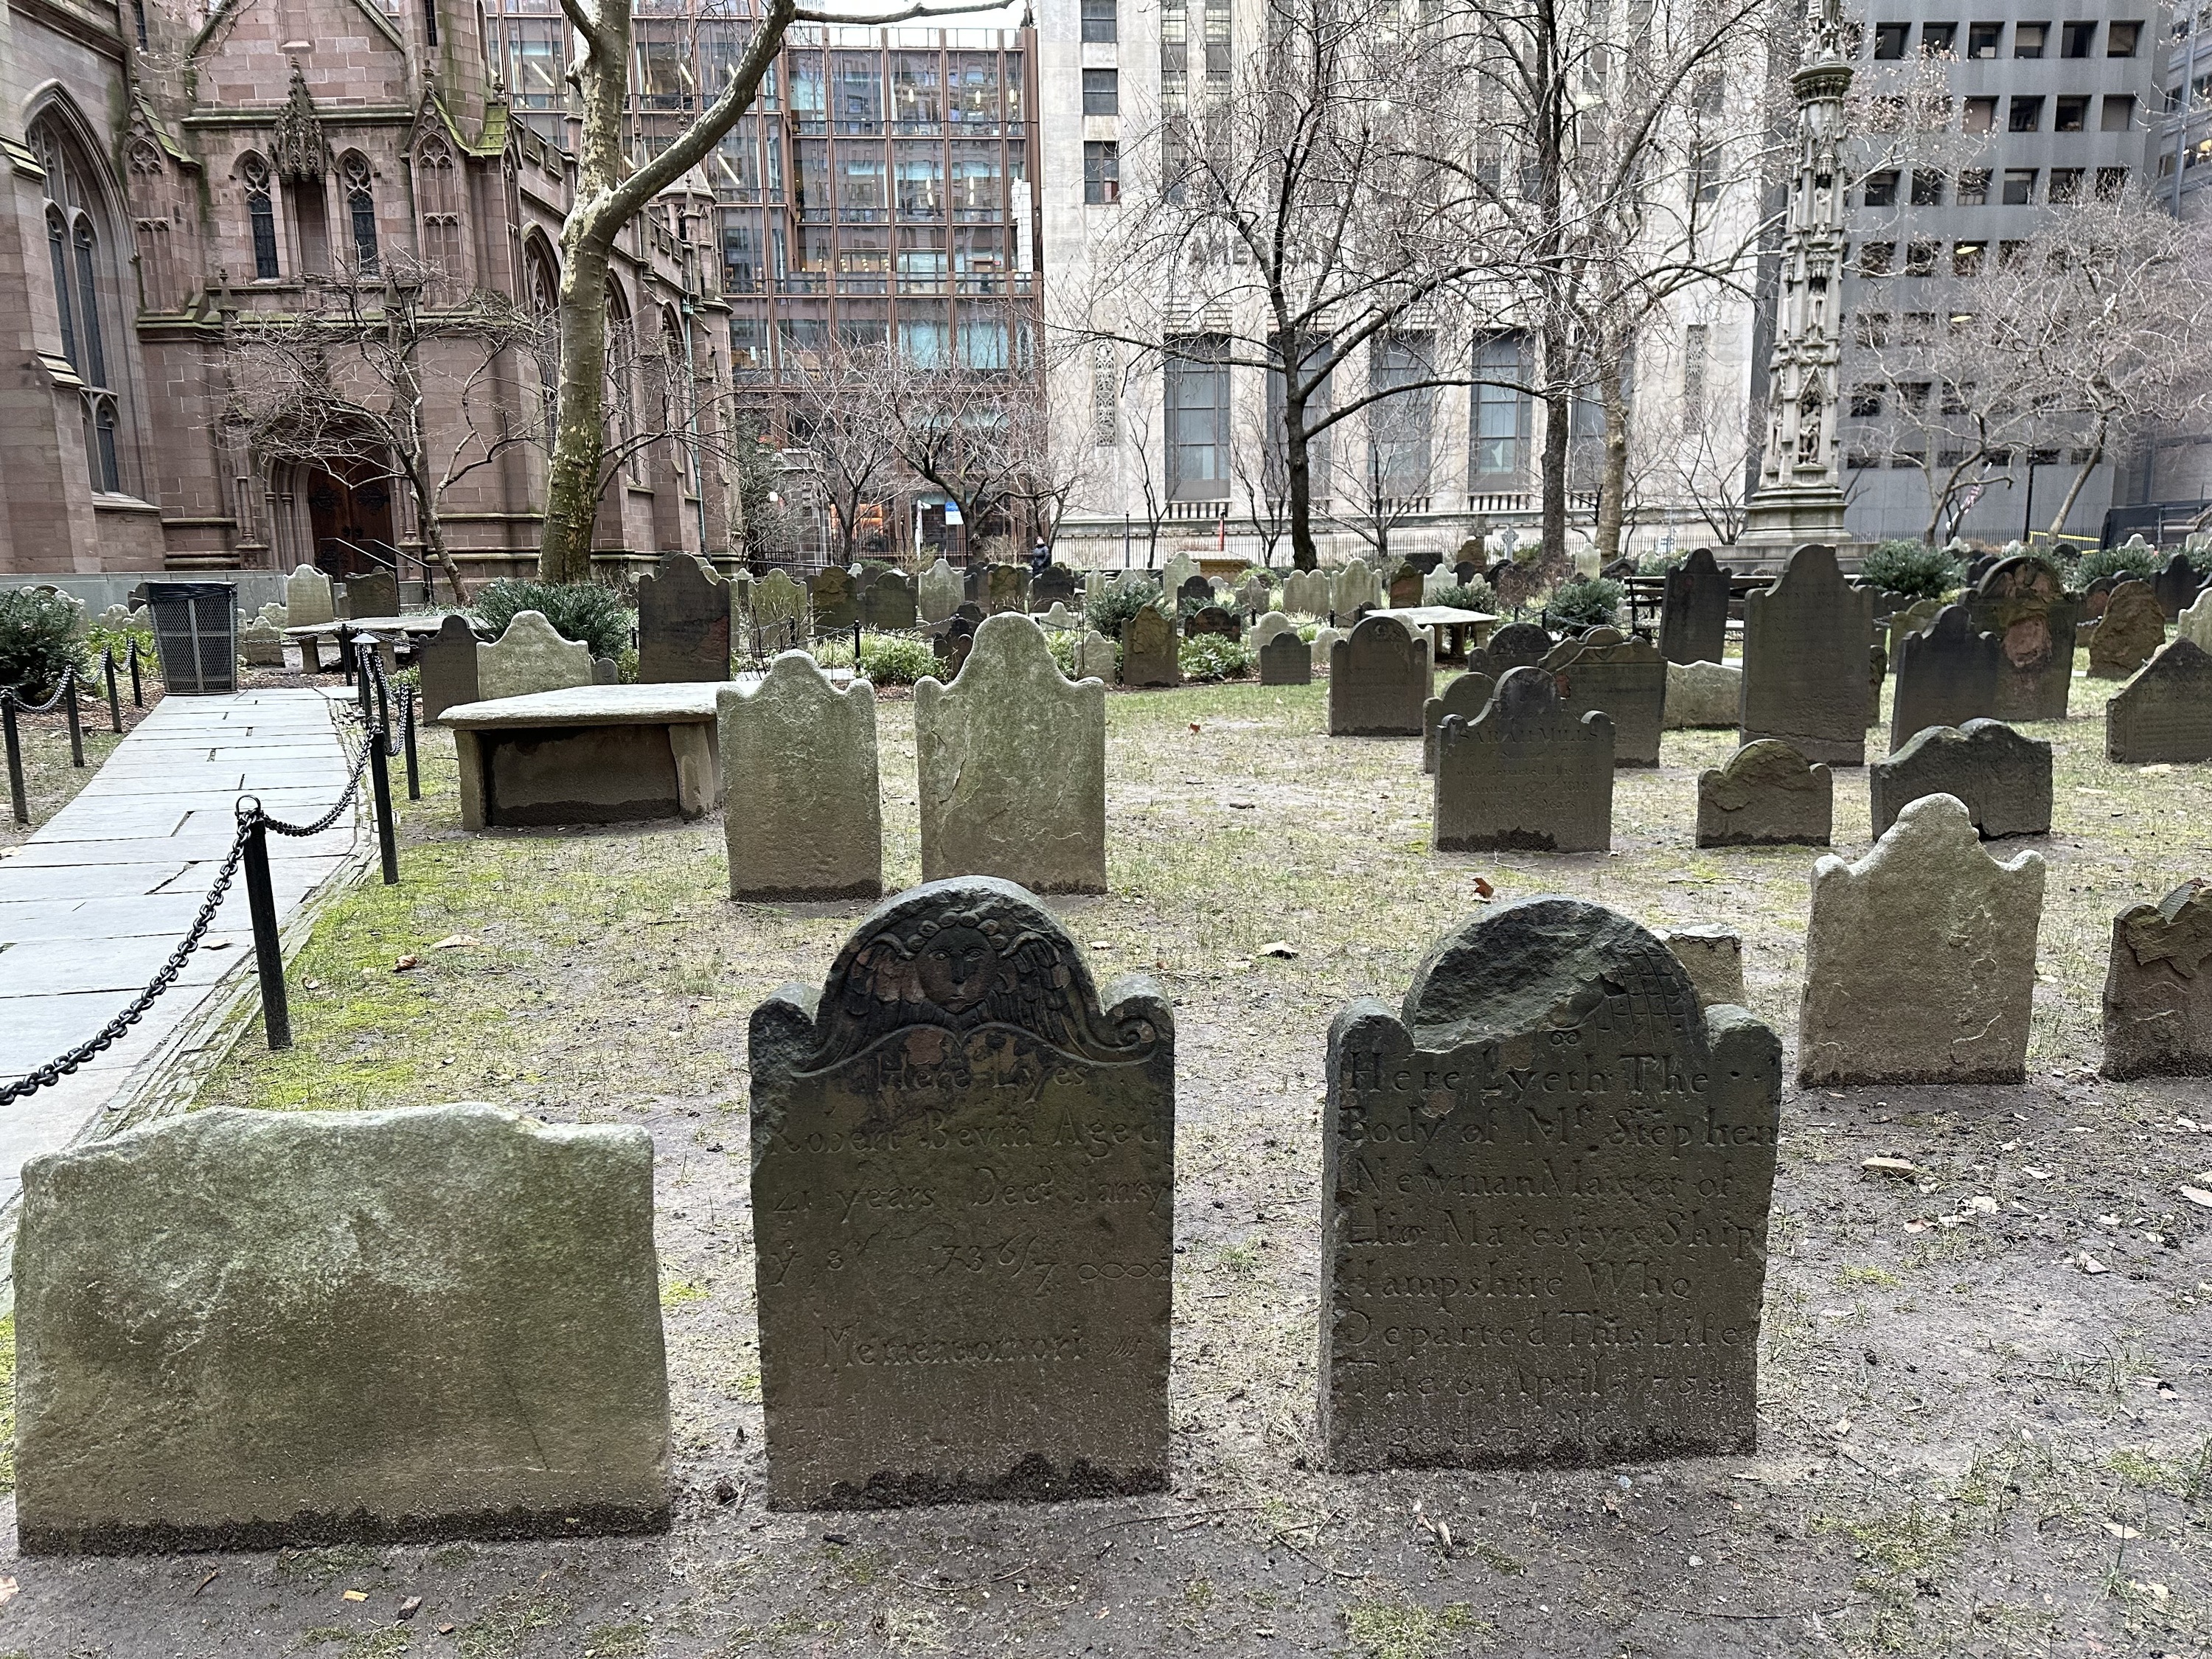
pixel 83 288
pixel 361 207
pixel 260 214
pixel 438 189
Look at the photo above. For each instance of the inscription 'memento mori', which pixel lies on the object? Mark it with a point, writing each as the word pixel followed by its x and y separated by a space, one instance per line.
pixel 1547 1179
pixel 963 1182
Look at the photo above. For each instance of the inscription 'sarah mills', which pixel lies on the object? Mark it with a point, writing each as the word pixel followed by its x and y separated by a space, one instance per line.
pixel 1548 1183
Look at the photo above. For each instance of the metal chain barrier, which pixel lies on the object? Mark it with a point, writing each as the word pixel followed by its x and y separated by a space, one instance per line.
pixel 11 705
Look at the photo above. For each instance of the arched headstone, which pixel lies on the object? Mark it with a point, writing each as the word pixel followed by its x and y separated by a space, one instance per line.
pixel 1805 660
pixel 682 623
pixel 1524 773
pixel 800 755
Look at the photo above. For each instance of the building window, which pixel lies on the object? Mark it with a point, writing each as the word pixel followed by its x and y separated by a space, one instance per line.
pixel 1101 171
pixel 2019 186
pixel 57 247
pixel 2120 40
pixel 1102 20
pixel 138 22
pixel 2010 253
pixel 1920 259
pixel 1983 38
pixel 1936 38
pixel 2070 115
pixel 1967 258
pixel 1102 92
pixel 1400 426
pixel 1871 329
pixel 1866 401
pixel 1927 189
pixel 438 195
pixel 2112 183
pixel 1889 39
pixel 2065 185
pixel 1504 413
pixel 2077 39
pixel 2028 38
pixel 2026 115
pixel 1875 257
pixel 1980 115
pixel 2119 113
pixel 360 207
pixel 1197 419
pixel 261 214
pixel 1974 187
pixel 1881 189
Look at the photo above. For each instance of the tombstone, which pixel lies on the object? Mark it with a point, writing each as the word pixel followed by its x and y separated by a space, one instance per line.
pixel 1546 1180
pixel 1766 794
pixel 1947 676
pixel 530 657
pixel 1179 569
pixel 1253 594
pixel 1805 660
pixel 1466 696
pixel 1213 619
pixel 783 613
pixel 1628 680
pixel 2132 629
pixel 1694 609
pixel 1405 586
pixel 2022 602
pixel 261 644
pixel 1059 619
pixel 1524 774
pixel 2165 713
pixel 1920 957
pixel 951 642
pixel 1012 759
pixel 1057 585
pixel 605 671
pixel 682 623
pixel 1922 613
pixel 1424 562
pixel 373 594
pixel 962 1189
pixel 1149 651
pixel 272 613
pixel 1712 956
pixel 1307 594
pixel 834 598
pixel 1355 586
pixel 2097 595
pixel 888 605
pixel 1285 659
pixel 2158 990
pixel 975 580
pixel 800 755
pixel 2003 778
pixel 1268 626
pixel 307 601
pixel 445 667
pixel 1517 645
pixel 1193 593
pixel 1324 642
pixel 1703 695
pixel 1096 657
pixel 2195 624
pixel 1006 587
pixel 938 593
pixel 244 1329
pixel 1378 679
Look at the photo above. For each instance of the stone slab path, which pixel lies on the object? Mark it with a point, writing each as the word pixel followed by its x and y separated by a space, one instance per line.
pixel 93 904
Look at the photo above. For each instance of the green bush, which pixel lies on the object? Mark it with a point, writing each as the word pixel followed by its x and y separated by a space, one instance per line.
pixel 99 637
pixel 38 642
pixel 1062 642
pixel 1658 564
pixel 1914 567
pixel 1109 609
pixel 894 659
pixel 591 613
pixel 1215 656
pixel 1465 596
pixel 1586 602
pixel 2116 561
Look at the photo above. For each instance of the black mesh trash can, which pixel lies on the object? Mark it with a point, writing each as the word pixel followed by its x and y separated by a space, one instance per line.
pixel 196 630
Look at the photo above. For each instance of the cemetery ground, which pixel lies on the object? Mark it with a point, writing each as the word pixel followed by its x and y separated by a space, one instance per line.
pixel 1985 1389
pixel 49 782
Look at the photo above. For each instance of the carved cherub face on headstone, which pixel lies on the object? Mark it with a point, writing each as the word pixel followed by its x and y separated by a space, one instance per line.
pixel 957 965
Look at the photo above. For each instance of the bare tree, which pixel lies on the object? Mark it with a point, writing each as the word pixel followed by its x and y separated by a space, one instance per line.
pixel 969 431
pixel 839 414
pixel 1256 461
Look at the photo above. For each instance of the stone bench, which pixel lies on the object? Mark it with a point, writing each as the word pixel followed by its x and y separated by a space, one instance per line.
pixel 591 754
pixel 311 637
pixel 1453 629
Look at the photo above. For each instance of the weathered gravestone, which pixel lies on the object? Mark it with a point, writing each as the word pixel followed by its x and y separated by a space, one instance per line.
pixel 371 593
pixel 1006 587
pixel 2132 628
pixel 2023 601
pixel 682 623
pixel 1094 657
pixel 888 605
pixel 1712 956
pixel 1059 584
pixel 1577 642
pixel 445 667
pixel 272 613
pixel 1524 773
pixel 1946 675
pixel 1911 620
pixel 530 656
pixel 1378 679
pixel 2158 991
pixel 937 593
pixel 1766 794
pixel 1805 660
pixel 2004 778
pixel 1012 767
pixel 2176 585
pixel 605 671
pixel 969 609
pixel 2165 713
pixel 834 598
pixel 1253 594
pixel 964 1200
pixel 2195 624
pixel 1059 619
pixel 1628 680
pixel 781 613
pixel 1466 696
pixel 1179 569
pixel 2096 596
pixel 1355 586
pixel 1693 611
pixel 1286 660
pixel 800 757
pixel 1517 645
pixel 1268 626
pixel 1324 643
pixel 1703 694
pixel 1920 958
pixel 952 641
pixel 261 643
pixel 1148 650
pixel 1307 594
pixel 1547 1181
pixel 241 1329
pixel 1213 619
pixel 1405 587
pixel 307 600
pixel 1195 591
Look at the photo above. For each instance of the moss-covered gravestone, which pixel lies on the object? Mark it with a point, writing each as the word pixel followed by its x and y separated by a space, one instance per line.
pixel 2024 604
pixel 1546 1182
pixel 963 1188
pixel 371 593
pixel 2130 632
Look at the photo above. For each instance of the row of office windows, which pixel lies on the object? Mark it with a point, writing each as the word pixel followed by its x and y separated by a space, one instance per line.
pixel 1987 40
pixel 1983 186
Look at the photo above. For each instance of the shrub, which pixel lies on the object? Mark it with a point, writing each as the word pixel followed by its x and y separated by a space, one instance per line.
pixel 1109 611
pixel 1215 656
pixel 1913 567
pixel 894 659
pixel 1465 596
pixel 1586 602
pixel 1658 564
pixel 38 642
pixel 1062 642
pixel 101 637
pixel 591 613
pixel 2116 561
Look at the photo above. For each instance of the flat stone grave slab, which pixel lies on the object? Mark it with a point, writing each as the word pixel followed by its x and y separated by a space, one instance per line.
pixel 590 754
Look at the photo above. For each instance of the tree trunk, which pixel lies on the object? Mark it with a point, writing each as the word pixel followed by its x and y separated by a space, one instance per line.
pixel 2096 453
pixel 571 481
pixel 1297 457
pixel 1613 486
pixel 1553 527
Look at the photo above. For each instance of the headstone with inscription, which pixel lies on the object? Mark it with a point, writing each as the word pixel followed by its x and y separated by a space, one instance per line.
pixel 1946 675
pixel 800 755
pixel 1355 586
pixel 1465 696
pixel 682 623
pixel 937 593
pixel 307 601
pixel 2023 601
pixel 1766 794
pixel 1517 645
pixel 2158 990
pixel 1378 680
pixel 2004 778
pixel 1693 611
pixel 371 593
pixel 1524 774
pixel 2132 629
pixel 1285 659
pixel 1805 660
pixel 531 656
pixel 2165 713
pixel 1703 694
pixel 445 667
pixel 834 598
pixel 1628 680
pixel 1148 650
pixel 963 1209
pixel 1546 1180
pixel 261 644
pixel 1307 594
pixel 888 605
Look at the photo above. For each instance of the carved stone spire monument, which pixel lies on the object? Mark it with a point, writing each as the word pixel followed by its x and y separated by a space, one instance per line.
pixel 1799 497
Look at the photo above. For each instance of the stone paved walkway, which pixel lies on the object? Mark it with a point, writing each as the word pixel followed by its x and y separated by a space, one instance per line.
pixel 93 904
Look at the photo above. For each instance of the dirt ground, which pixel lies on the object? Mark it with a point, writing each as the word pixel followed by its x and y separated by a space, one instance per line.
pixel 1969 1443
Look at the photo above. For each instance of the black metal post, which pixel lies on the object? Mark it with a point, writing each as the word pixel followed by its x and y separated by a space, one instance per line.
pixel 407 729
pixel 114 704
pixel 15 794
pixel 856 647
pixel 137 690
pixel 358 676
pixel 268 949
pixel 381 777
pixel 76 720
pixel 345 651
